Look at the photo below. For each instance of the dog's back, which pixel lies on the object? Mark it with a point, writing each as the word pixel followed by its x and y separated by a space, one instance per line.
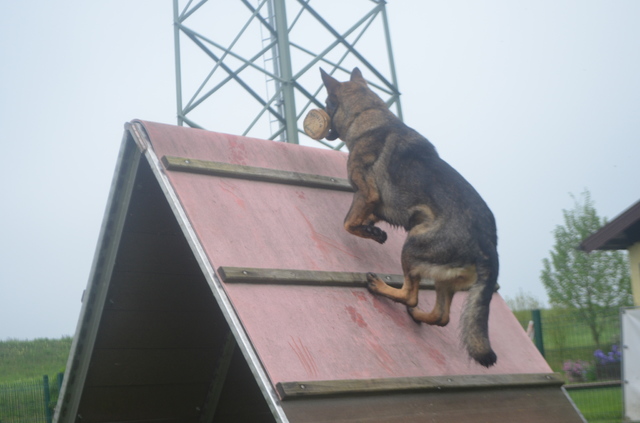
pixel 410 174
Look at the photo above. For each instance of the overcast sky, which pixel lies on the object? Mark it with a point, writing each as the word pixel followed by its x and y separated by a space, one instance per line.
pixel 530 101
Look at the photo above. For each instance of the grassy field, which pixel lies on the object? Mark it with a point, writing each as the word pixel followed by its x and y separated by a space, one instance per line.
pixel 566 329
pixel 22 367
pixel 602 405
pixel 22 360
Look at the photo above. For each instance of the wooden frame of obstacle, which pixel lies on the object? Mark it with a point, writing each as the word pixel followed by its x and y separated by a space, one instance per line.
pixel 225 289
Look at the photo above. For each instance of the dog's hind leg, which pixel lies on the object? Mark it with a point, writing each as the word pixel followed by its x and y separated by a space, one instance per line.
pixel 440 314
pixel 407 295
pixel 448 281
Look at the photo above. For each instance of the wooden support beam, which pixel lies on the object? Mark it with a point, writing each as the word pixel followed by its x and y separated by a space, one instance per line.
pixel 255 173
pixel 219 378
pixel 291 390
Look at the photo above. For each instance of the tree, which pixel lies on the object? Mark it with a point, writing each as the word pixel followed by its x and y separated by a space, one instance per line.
pixel 523 301
pixel 586 282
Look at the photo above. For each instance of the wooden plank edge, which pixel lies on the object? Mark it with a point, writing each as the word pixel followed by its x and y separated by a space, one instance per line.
pixel 253 173
pixel 306 277
pixel 292 390
pixel 230 274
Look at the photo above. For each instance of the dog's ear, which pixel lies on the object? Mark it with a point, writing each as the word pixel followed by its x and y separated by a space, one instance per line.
pixel 329 82
pixel 356 76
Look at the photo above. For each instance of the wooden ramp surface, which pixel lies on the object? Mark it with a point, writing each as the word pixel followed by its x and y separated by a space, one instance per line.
pixel 310 332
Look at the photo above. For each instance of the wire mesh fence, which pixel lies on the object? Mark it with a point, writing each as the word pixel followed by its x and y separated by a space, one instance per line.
pixel 585 347
pixel 29 401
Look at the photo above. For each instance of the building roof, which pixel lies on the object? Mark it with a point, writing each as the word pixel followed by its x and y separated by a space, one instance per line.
pixel 224 286
pixel 619 234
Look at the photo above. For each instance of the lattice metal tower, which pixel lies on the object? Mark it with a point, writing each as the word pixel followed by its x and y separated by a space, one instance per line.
pixel 242 67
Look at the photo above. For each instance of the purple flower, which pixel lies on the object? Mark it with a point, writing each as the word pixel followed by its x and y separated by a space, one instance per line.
pixel 613 356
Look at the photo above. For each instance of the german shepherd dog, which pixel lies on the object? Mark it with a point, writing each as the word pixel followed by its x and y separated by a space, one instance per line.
pixel 398 177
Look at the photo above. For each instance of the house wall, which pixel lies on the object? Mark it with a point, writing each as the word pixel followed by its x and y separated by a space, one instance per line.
pixel 634 263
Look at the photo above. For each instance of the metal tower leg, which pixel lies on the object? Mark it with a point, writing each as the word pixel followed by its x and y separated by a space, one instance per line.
pixel 284 58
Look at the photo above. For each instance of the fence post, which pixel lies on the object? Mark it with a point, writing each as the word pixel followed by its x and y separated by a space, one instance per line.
pixel 47 398
pixel 537 330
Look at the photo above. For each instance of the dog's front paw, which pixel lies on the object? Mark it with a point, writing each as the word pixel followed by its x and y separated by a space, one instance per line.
pixel 376 233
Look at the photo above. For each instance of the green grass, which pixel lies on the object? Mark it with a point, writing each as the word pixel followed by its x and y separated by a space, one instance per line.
pixel 22 367
pixel 600 405
pixel 23 360
pixel 566 329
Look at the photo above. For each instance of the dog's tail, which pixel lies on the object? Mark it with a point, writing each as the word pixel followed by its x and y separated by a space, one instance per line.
pixel 475 316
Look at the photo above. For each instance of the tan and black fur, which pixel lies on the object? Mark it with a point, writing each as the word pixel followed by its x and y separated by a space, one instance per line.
pixel 398 177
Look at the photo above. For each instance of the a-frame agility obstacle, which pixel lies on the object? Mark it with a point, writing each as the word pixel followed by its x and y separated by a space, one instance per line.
pixel 225 289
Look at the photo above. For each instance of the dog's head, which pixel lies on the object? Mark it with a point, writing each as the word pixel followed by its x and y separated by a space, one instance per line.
pixel 346 100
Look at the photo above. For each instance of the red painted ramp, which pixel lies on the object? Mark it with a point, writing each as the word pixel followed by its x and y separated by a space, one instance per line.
pixel 316 333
